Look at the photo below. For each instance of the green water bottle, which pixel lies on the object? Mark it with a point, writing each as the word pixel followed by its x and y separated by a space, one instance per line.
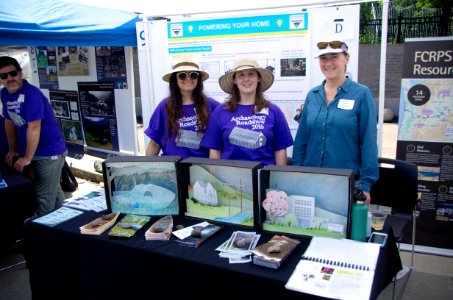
pixel 359 218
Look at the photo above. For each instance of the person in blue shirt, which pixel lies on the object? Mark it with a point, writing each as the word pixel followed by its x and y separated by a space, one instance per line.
pixel 337 128
pixel 3 139
pixel 33 134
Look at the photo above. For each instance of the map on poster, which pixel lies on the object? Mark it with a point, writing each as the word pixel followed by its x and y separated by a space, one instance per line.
pixel 426 110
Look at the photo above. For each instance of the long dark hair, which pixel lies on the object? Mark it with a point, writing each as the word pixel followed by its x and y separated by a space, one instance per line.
pixel 174 104
pixel 235 97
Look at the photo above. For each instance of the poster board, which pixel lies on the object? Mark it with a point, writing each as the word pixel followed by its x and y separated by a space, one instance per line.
pixel 276 41
pixel 425 134
pixel 125 127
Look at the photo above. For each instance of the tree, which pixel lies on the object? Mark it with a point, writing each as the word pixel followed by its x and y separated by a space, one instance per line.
pixel 446 6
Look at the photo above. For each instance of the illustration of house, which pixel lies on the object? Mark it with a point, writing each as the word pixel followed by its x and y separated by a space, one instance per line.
pixel 247 138
pixel 189 139
pixel 204 192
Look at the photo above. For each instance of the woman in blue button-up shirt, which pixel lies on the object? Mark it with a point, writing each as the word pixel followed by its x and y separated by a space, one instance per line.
pixel 338 124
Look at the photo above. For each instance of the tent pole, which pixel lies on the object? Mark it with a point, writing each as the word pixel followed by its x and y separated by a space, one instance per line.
pixel 148 62
pixel 385 7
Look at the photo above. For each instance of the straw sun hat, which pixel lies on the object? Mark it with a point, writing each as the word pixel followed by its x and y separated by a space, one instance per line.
pixel 227 82
pixel 185 63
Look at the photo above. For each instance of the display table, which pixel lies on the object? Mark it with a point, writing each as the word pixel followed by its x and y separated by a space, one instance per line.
pixel 17 203
pixel 65 264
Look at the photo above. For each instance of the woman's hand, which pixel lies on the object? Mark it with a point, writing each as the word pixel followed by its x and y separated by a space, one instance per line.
pixel 368 197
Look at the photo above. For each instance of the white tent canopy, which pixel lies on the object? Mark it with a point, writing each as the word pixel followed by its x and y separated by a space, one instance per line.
pixel 184 7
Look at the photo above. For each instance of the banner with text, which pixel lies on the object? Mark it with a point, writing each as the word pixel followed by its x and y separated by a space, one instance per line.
pixel 425 134
pixel 280 43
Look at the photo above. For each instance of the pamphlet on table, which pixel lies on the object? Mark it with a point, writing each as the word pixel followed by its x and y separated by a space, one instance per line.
pixel 58 216
pixel 336 268
pixel 94 200
pixel 194 235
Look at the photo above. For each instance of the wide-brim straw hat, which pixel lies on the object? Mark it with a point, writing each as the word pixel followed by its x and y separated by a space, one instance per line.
pixel 227 81
pixel 185 63
pixel 330 50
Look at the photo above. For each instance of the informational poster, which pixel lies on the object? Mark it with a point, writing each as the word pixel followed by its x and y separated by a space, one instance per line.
pixel 284 42
pixel 47 67
pixel 97 106
pixel 72 61
pixel 111 65
pixel 425 134
pixel 65 105
pixel 277 42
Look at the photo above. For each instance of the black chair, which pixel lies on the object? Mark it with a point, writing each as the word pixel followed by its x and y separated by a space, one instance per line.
pixel 397 187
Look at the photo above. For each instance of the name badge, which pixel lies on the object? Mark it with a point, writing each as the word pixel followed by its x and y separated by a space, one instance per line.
pixel 346 104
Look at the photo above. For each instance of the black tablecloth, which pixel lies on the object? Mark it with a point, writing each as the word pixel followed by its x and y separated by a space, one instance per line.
pixel 65 264
pixel 17 203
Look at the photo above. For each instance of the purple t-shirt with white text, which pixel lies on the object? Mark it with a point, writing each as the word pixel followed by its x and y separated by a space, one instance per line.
pixel 29 104
pixel 188 142
pixel 245 135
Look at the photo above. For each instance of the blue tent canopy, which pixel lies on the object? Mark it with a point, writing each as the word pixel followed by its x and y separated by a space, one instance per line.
pixel 59 23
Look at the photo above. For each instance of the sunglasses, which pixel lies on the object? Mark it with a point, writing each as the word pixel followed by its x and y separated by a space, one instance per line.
pixel 10 73
pixel 333 45
pixel 184 75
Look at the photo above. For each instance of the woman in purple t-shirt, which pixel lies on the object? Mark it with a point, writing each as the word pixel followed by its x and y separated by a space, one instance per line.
pixel 247 126
pixel 179 121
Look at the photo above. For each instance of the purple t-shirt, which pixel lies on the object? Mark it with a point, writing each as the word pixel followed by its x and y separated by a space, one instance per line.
pixel 188 143
pixel 245 135
pixel 29 104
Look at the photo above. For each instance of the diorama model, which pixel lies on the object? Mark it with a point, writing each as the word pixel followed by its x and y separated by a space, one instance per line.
pixel 307 204
pixel 143 188
pixel 220 193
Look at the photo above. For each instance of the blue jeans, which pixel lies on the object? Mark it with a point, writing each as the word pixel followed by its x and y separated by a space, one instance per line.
pixel 46 182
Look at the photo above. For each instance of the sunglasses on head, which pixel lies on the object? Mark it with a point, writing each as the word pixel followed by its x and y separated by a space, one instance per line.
pixel 332 44
pixel 184 75
pixel 10 73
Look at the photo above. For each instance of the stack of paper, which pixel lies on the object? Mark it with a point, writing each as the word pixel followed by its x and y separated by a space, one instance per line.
pixel 237 247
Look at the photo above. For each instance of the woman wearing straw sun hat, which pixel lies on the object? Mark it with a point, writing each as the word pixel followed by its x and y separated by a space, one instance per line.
pixel 338 124
pixel 179 121
pixel 247 126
